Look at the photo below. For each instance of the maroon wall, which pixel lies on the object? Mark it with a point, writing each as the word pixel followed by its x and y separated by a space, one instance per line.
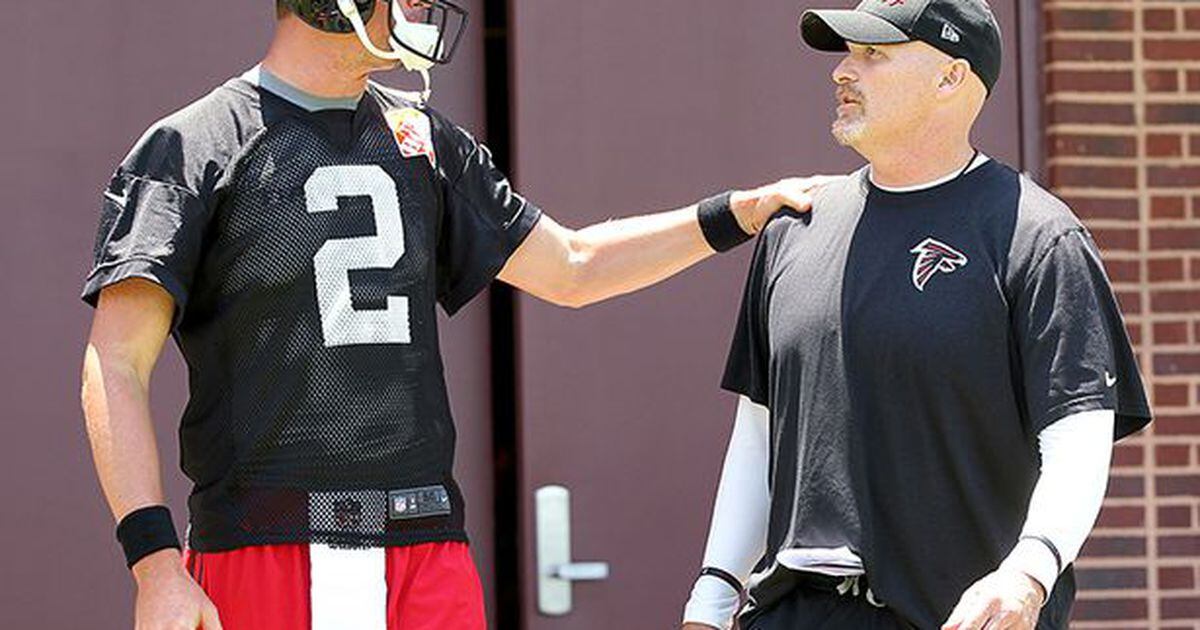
pixel 83 80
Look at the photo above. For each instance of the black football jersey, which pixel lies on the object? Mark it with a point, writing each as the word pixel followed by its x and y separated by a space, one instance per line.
pixel 306 251
pixel 910 347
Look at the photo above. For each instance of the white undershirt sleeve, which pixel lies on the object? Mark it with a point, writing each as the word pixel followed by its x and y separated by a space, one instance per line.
pixel 1076 453
pixel 737 536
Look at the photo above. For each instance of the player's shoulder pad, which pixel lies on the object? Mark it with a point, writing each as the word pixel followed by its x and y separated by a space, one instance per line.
pixel 188 147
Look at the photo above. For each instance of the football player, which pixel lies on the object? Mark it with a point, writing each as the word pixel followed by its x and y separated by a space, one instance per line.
pixel 294 230
pixel 932 365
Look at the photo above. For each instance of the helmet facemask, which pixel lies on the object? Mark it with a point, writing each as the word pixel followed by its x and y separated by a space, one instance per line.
pixel 418 45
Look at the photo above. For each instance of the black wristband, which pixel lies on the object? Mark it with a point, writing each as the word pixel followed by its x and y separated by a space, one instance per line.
pixel 718 224
pixel 144 531
pixel 724 576
pixel 1053 549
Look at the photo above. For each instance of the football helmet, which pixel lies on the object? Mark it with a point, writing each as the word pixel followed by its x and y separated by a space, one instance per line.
pixel 431 39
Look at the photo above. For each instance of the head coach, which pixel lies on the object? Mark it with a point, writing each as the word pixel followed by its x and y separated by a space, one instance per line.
pixel 932 365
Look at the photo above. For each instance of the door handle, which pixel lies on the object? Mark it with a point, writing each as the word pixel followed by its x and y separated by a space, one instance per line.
pixel 556 571
pixel 582 571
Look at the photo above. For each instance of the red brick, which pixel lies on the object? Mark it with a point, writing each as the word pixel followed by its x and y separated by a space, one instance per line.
pixel 1191 19
pixel 1164 145
pixel 1086 50
pixel 1094 176
pixel 1091 113
pixel 1172 454
pixel 1179 545
pixel 1176 577
pixel 1123 270
pixel 1193 80
pixel 1158 19
pixel 1165 269
pixel 1171 49
pixel 1170 395
pixel 1126 486
pixel 1130 302
pixel 1089 81
pixel 1168 207
pixel 1116 239
pixel 1122 516
pixel 1194 145
pixel 1196 274
pixel 1114 546
pixel 1135 333
pixel 1128 455
pixel 1178 486
pixel 1175 301
pixel 1171 113
pixel 1174 516
pixel 1110 578
pixel 1109 608
pixel 1174 176
pixel 1088 20
pixel 1089 208
pixel 1074 144
pixel 1175 238
pixel 1167 333
pixel 1161 80
pixel 1179 607
pixel 1177 425
pixel 1177 363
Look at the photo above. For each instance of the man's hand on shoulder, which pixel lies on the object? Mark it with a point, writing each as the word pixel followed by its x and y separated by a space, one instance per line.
pixel 754 208
pixel 168 598
pixel 697 626
pixel 1004 599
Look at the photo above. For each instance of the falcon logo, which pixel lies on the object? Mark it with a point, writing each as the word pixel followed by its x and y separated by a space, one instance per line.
pixel 934 256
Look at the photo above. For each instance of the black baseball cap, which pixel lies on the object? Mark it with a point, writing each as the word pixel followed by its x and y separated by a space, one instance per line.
pixel 963 29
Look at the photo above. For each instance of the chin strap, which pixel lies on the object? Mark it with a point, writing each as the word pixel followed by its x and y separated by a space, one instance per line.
pixel 421 97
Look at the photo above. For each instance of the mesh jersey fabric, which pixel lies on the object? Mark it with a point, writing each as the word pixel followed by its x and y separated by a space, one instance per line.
pixel 306 252
pixel 910 346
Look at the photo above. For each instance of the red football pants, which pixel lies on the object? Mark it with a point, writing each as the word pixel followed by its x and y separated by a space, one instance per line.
pixel 432 586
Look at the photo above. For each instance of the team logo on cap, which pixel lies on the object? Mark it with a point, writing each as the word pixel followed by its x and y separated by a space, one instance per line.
pixel 414 133
pixel 934 256
pixel 950 34
pixel 892 3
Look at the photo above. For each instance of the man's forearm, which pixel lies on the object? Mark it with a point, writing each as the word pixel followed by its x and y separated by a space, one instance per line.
pixel 624 255
pixel 580 267
pixel 116 407
pixel 737 536
pixel 1076 452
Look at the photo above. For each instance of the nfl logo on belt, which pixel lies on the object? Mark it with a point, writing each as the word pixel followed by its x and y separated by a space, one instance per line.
pixel 414 133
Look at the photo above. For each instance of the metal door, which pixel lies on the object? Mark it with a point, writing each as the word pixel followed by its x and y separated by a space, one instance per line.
pixel 627 109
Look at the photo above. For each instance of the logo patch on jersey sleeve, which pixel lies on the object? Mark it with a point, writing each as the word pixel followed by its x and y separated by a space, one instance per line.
pixel 413 132
pixel 934 256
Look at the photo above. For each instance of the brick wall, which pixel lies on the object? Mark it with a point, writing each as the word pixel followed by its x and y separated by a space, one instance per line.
pixel 1123 143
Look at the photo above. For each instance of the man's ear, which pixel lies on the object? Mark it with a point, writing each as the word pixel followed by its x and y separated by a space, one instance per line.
pixel 953 76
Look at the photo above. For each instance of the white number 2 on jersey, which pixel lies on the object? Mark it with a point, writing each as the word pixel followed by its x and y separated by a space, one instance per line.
pixel 341 323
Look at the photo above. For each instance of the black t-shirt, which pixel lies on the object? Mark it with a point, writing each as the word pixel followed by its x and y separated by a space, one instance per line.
pixel 305 252
pixel 910 347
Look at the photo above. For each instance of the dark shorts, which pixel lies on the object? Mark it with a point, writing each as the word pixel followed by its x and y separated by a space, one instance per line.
pixel 813 602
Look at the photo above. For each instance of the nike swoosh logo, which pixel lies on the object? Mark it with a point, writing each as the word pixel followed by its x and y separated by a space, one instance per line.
pixel 1109 379
pixel 120 201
